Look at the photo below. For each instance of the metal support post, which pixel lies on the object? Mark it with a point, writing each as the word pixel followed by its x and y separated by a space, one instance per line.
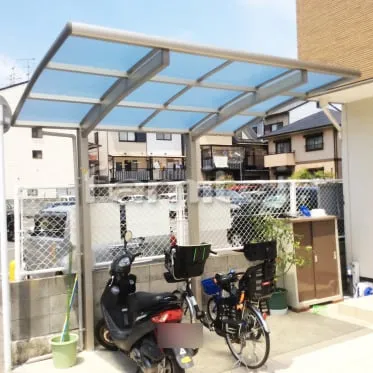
pixel 85 237
pixel 293 198
pixel 193 164
pixel 5 291
pixel 78 248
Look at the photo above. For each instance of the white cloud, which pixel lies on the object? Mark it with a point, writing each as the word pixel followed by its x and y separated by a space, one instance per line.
pixel 10 71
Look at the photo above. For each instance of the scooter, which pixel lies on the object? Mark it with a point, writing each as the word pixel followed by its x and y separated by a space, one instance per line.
pixel 130 319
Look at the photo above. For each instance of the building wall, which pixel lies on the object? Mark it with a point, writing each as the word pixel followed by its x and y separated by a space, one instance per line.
pixel 314 159
pixel 163 148
pixel 298 143
pixel 124 148
pixel 215 140
pixel 357 142
pixel 338 32
pixel 56 166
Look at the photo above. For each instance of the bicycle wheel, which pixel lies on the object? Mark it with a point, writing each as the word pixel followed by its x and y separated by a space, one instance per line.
pixel 212 309
pixel 251 345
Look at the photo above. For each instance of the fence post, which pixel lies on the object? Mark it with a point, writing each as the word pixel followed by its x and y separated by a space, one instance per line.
pixel 17 233
pixel 293 197
pixel 180 233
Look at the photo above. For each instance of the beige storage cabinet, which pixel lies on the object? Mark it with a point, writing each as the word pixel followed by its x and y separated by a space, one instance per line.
pixel 319 281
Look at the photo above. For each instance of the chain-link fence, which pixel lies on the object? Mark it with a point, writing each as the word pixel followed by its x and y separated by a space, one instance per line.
pixel 45 228
pixel 230 213
pixel 151 211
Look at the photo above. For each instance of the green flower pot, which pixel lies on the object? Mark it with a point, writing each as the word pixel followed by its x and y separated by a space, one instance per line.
pixel 64 353
pixel 278 304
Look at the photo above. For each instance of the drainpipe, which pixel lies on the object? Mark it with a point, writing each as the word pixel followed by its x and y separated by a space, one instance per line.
pixel 335 153
pixel 78 242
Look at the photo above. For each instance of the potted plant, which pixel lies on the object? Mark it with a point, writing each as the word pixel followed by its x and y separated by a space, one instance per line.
pixel 64 346
pixel 289 253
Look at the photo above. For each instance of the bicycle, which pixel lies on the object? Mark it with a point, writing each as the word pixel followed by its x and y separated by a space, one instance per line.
pixel 239 310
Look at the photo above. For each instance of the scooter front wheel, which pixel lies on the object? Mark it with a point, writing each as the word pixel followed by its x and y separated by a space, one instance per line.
pixel 102 335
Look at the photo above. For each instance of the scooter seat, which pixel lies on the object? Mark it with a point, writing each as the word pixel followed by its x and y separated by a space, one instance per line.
pixel 143 300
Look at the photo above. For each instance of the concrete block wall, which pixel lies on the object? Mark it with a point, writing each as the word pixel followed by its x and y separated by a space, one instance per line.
pixel 38 312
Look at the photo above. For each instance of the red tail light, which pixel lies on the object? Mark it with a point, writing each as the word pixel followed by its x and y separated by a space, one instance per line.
pixel 168 316
pixel 266 283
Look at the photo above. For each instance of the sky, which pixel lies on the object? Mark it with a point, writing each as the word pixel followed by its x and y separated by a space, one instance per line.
pixel 29 27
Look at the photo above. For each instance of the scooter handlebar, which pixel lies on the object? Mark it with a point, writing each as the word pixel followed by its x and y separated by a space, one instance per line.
pixel 213 252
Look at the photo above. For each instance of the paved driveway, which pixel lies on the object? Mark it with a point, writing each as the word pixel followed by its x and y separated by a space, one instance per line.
pixel 303 342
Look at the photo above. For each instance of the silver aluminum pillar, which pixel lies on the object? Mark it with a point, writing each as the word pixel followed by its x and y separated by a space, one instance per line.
pixel 5 291
pixel 192 167
pixel 85 239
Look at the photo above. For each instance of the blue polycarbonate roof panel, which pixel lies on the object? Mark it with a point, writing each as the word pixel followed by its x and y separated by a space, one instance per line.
pixel 100 54
pixel 206 97
pixel 270 103
pixel 64 83
pixel 48 111
pixel 174 89
pixel 233 124
pixel 126 116
pixel 245 74
pixel 189 66
pixel 174 119
pixel 316 80
pixel 154 93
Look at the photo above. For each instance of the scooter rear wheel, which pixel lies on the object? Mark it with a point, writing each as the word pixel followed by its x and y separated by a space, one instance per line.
pixel 102 335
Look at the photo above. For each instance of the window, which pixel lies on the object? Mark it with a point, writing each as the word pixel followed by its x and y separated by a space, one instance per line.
pixel 314 142
pixel 96 138
pixel 37 154
pixel 269 128
pixel 118 166
pixel 164 136
pixel 127 136
pixel 255 129
pixel 283 146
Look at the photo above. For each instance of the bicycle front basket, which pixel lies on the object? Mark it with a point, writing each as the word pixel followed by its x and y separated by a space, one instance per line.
pixel 189 261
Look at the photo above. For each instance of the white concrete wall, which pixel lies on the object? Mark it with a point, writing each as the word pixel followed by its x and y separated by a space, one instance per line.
pixel 54 169
pixel 160 148
pixel 357 124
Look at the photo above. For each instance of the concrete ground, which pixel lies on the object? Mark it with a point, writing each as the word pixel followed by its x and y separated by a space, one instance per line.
pixel 306 342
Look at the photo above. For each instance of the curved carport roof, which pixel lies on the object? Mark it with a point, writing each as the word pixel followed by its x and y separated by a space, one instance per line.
pixel 95 77
pixel 105 79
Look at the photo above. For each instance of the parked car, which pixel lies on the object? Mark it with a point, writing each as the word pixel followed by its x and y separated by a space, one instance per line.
pixel 10 222
pixel 58 204
pixel 275 204
pixel 133 198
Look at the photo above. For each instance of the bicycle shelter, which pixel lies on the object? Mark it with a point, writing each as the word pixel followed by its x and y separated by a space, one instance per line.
pixel 95 78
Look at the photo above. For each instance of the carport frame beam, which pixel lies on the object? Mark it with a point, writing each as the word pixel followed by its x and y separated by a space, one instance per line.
pixel 140 73
pixel 283 83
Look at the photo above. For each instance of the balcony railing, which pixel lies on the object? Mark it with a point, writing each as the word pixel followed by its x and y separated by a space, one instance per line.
pixel 145 174
pixel 279 160
pixel 252 162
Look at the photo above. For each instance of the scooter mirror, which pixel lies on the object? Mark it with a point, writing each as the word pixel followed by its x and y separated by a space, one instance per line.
pixel 128 236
